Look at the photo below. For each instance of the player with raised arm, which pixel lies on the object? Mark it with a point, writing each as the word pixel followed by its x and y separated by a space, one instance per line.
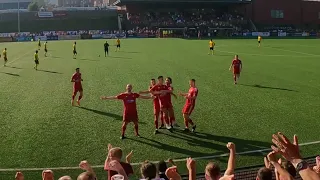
pixel 5 56
pixel 236 66
pixel 77 86
pixel 130 113
pixel 211 47
pixel 74 50
pixel 190 97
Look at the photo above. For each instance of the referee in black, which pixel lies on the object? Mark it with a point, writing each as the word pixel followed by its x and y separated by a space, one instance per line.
pixel 106 49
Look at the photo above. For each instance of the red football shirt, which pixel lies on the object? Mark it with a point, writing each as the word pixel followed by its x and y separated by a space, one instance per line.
pixel 193 92
pixel 76 77
pixel 168 95
pixel 163 99
pixel 236 65
pixel 155 100
pixel 129 103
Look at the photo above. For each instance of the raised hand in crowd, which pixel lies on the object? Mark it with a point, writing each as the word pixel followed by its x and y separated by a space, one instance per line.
pixel 129 157
pixel 290 151
pixel 316 168
pixel 191 165
pixel 281 173
pixel 232 159
pixel 89 174
pixel 172 173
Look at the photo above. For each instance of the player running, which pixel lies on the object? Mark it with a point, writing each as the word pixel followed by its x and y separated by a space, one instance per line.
pixel 130 113
pixel 5 56
pixel 161 90
pixel 211 47
pixel 74 50
pixel 259 40
pixel 118 44
pixel 106 49
pixel 191 97
pixel 36 60
pixel 172 119
pixel 39 44
pixel 77 86
pixel 236 66
pixel 45 49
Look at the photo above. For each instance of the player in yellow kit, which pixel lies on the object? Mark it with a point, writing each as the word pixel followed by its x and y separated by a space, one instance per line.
pixel 45 49
pixel 259 40
pixel 5 56
pixel 118 45
pixel 39 44
pixel 211 47
pixel 36 60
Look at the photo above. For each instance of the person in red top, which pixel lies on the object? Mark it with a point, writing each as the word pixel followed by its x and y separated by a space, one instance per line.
pixel 191 97
pixel 161 90
pixel 130 113
pixel 77 86
pixel 172 119
pixel 156 106
pixel 236 66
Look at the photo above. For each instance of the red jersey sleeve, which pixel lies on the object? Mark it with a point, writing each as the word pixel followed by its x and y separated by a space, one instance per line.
pixel 121 96
pixel 154 88
pixel 136 95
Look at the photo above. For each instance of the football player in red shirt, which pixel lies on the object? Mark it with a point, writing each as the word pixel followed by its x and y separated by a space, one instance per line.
pixel 77 86
pixel 130 113
pixel 161 90
pixel 172 119
pixel 236 66
pixel 191 97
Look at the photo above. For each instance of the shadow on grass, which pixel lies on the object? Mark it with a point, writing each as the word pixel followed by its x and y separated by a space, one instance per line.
pixel 267 87
pixel 119 57
pixel 205 140
pixel 115 116
pixel 14 67
pixel 53 72
pixel 11 74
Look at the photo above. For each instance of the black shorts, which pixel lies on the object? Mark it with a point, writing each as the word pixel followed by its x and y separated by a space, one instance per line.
pixel 211 48
pixel 106 50
pixel 5 58
pixel 36 61
pixel 45 50
pixel 118 46
pixel 259 42
pixel 75 52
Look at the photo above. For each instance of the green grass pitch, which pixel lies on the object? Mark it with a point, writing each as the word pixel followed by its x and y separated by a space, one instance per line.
pixel 278 91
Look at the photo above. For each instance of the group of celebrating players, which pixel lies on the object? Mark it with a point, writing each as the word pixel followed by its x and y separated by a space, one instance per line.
pixel 160 92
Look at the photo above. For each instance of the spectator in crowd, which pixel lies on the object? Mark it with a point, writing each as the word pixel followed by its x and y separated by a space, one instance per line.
pixel 115 156
pixel 291 152
pixel 65 178
pixel 264 174
pixel 47 175
pixel 316 168
pixel 148 170
pixel 212 171
pixel 19 176
pixel 162 168
pixel 89 174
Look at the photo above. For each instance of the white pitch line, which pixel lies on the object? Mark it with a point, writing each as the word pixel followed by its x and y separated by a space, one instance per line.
pixel 286 50
pixel 135 164
pixel 16 59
